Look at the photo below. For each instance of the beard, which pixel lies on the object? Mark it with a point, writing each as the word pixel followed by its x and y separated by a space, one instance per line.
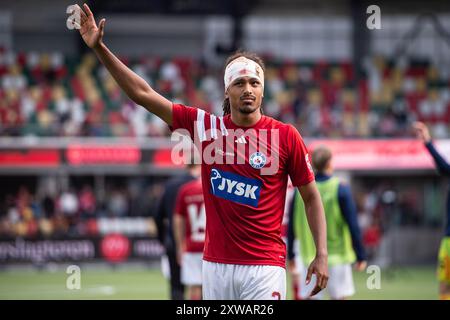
pixel 248 108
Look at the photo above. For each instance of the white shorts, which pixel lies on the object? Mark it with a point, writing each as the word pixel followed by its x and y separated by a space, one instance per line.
pixel 243 282
pixel 340 282
pixel 191 268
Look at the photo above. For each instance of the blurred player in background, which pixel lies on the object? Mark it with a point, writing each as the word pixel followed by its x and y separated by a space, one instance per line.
pixel 244 256
pixel 189 224
pixel 164 223
pixel 443 271
pixel 343 232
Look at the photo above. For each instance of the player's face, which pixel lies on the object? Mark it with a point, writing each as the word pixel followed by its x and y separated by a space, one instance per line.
pixel 245 95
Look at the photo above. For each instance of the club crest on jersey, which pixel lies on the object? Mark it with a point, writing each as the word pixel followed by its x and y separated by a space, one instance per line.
pixel 235 187
pixel 258 160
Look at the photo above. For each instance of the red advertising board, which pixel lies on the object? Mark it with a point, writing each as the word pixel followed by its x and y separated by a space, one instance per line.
pixel 163 158
pixel 30 158
pixel 393 154
pixel 380 154
pixel 103 155
pixel 348 155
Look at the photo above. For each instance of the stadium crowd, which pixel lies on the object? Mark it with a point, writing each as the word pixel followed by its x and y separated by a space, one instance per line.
pixel 48 94
pixel 76 211
pixel 73 212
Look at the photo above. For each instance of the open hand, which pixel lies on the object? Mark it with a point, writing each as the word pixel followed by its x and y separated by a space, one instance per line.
pixel 422 131
pixel 319 267
pixel 91 34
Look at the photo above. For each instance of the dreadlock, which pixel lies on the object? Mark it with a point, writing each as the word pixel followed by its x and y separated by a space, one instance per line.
pixel 249 55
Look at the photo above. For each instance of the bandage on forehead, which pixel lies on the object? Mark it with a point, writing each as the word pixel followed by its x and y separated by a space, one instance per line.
pixel 242 67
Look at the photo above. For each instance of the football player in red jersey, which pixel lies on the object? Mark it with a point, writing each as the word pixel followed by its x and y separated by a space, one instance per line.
pixel 246 160
pixel 189 229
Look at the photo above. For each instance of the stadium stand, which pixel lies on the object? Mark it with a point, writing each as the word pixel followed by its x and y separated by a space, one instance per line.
pixel 55 95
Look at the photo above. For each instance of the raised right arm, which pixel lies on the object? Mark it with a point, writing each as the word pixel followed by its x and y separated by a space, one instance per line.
pixel 423 134
pixel 133 85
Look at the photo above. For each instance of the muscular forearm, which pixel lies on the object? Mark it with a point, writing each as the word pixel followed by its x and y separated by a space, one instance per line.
pixel 316 220
pixel 134 86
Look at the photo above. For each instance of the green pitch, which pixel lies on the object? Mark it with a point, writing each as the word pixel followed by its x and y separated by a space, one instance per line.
pixel 404 283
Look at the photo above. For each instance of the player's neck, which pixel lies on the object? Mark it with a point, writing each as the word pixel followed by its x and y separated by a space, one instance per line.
pixel 246 119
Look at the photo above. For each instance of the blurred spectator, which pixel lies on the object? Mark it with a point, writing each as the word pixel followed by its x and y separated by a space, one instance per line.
pixel 371 240
pixel 118 203
pixel 73 212
pixel 69 207
pixel 48 205
pixel 52 95
pixel 68 203
pixel 87 202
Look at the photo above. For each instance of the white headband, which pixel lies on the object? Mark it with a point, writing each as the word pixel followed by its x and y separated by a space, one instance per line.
pixel 242 67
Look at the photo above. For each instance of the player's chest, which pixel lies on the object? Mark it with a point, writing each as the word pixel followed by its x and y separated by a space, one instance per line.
pixel 251 155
